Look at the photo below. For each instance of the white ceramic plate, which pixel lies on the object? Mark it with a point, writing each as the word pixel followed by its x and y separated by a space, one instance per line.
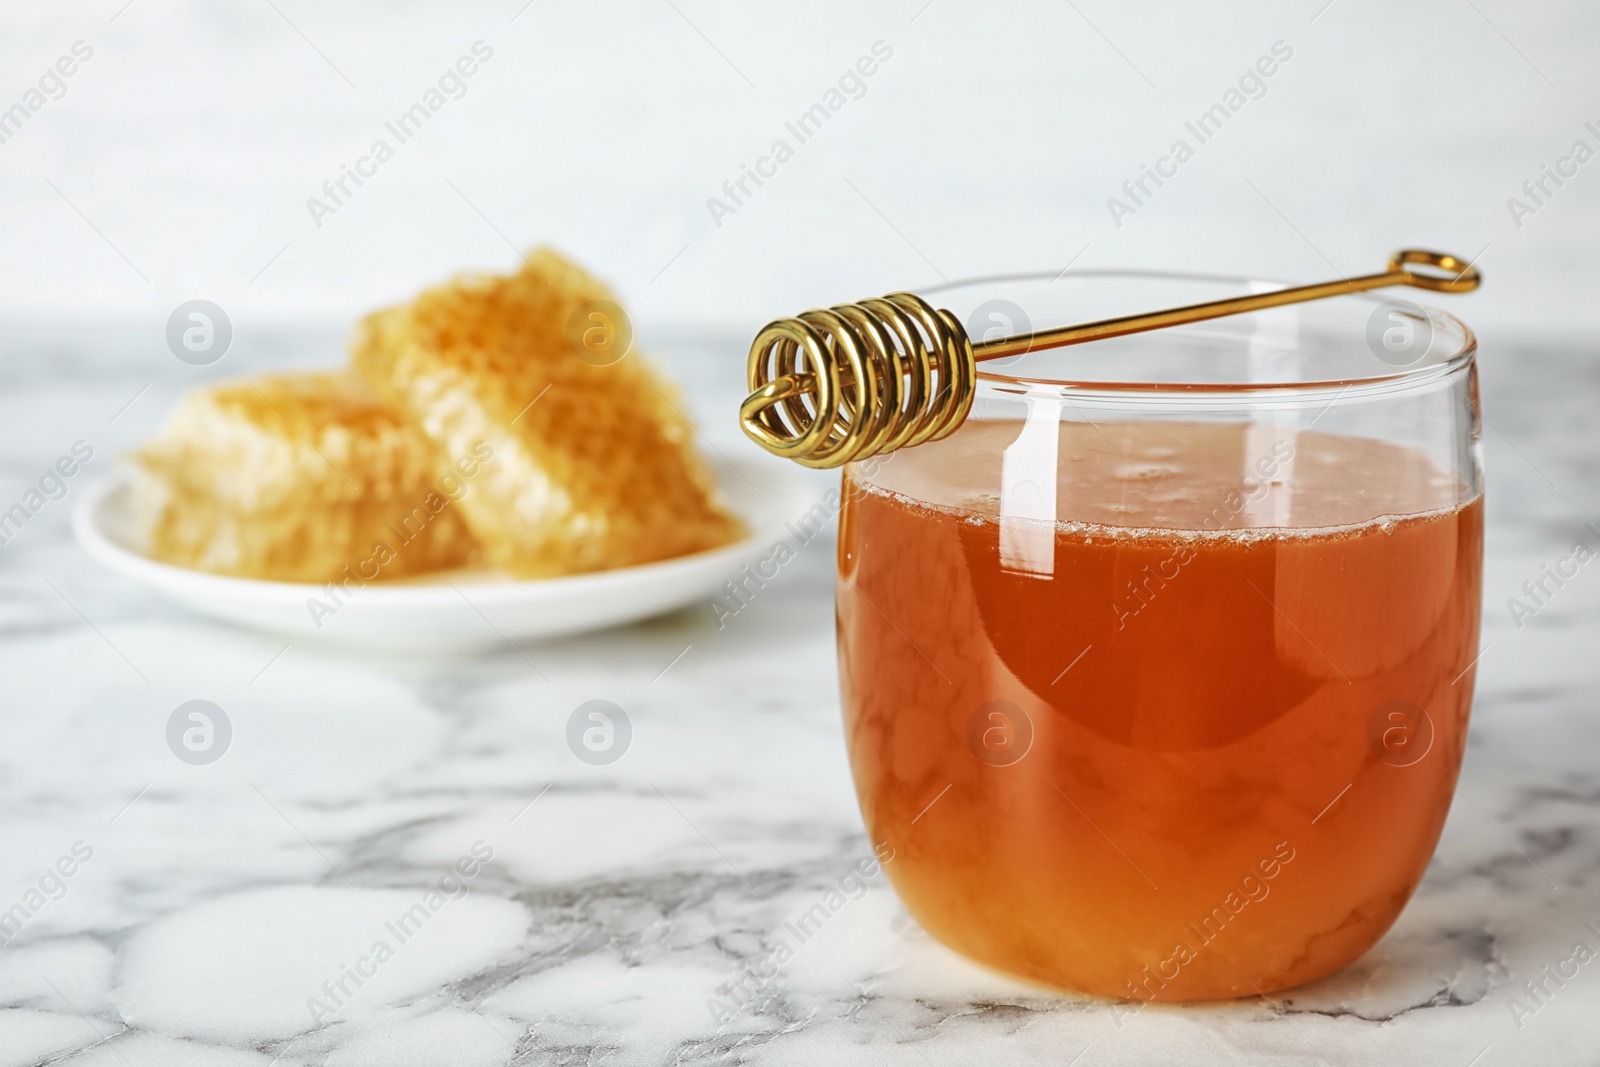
pixel 460 610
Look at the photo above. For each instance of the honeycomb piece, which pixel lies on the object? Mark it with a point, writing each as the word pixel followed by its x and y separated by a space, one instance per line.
pixel 298 477
pixel 594 465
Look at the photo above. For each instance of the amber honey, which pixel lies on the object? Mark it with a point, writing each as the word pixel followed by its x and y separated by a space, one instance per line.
pixel 1196 738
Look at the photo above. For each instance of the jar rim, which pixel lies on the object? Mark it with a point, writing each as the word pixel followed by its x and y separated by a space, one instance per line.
pixel 1409 378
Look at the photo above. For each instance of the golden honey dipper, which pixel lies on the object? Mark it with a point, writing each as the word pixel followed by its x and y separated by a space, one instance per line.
pixel 856 380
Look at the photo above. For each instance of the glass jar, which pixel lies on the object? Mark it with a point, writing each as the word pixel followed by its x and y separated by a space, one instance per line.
pixel 1156 673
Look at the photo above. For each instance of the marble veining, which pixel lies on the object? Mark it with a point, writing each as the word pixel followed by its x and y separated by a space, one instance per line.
pixel 225 908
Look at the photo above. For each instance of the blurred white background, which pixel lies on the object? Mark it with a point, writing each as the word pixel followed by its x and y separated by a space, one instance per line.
pixel 179 160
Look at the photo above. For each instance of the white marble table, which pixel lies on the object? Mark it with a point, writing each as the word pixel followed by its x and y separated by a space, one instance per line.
pixel 231 913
